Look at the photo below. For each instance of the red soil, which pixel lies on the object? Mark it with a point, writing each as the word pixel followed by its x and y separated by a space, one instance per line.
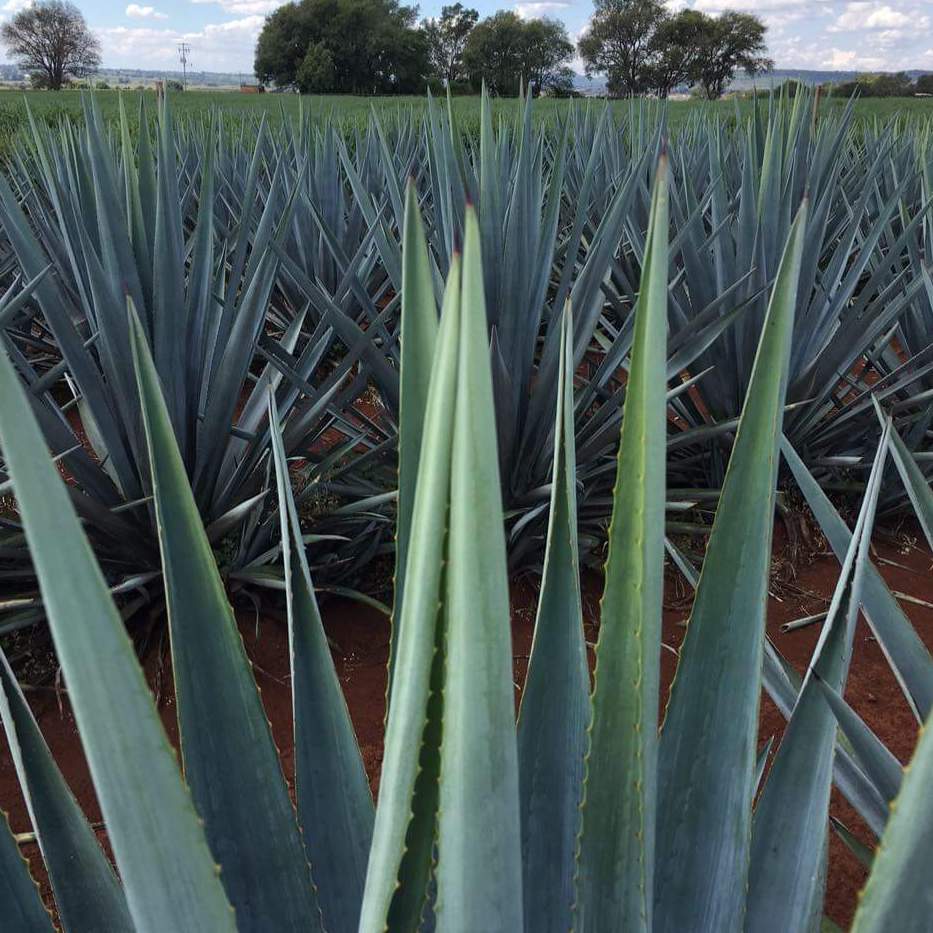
pixel 360 635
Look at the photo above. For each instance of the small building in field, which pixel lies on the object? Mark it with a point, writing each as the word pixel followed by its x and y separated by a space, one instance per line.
pixel 252 89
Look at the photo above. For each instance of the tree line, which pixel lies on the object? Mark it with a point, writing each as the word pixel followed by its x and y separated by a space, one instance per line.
pixel 380 47
pixel 899 84
pixel 883 84
pixel 642 48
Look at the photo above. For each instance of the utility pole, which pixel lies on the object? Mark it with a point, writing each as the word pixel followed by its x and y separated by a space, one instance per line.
pixel 183 50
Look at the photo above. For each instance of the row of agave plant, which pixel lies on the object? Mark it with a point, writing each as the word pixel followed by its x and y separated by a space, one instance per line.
pixel 270 256
pixel 584 815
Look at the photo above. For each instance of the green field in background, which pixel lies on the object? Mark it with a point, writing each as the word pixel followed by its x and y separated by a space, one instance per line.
pixel 51 106
pixel 341 106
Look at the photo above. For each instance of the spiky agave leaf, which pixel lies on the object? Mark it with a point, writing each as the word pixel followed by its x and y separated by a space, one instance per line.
pixel 897 895
pixel 167 870
pixel 916 484
pixel 789 831
pixel 905 651
pixel 335 806
pixel 478 834
pixel 226 740
pixel 19 894
pixel 418 341
pixel 618 811
pixel 554 708
pixel 87 893
pixel 406 809
pixel 707 749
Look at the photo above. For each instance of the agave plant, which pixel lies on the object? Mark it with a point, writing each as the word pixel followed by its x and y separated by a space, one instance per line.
pixel 563 208
pixel 582 815
pixel 857 280
pixel 94 225
pixel 866 772
pixel 559 208
pixel 300 227
pixel 903 362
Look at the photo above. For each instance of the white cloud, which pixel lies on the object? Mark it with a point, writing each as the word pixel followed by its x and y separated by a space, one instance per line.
pixel 539 9
pixel 851 60
pixel 750 6
pixel 841 58
pixel 866 15
pixel 135 11
pixel 890 37
pixel 880 35
pixel 246 7
pixel 227 46
pixel 7 11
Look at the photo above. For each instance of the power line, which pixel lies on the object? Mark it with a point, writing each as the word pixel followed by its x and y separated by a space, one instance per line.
pixel 183 50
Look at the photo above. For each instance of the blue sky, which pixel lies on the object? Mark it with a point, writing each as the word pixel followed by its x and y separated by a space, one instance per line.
pixel 819 34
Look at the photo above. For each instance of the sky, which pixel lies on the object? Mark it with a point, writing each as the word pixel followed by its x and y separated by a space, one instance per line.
pixel 859 35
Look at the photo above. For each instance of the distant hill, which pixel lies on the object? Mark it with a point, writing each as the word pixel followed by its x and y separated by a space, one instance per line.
pixel 780 75
pixel 133 76
pixel 130 77
pixel 771 79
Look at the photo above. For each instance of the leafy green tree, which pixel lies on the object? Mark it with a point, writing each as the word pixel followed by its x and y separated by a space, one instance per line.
pixel 373 45
pixel 493 53
pixel 880 85
pixel 924 85
pixel 677 50
pixel 447 37
pixel 640 47
pixel 892 85
pixel 545 48
pixel 504 51
pixel 285 39
pixel 732 42
pixel 619 43
pixel 316 72
pixel 51 41
pixel 560 83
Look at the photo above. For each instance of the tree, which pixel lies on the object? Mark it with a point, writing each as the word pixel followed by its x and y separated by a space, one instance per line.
pixel 618 43
pixel 560 83
pixel 316 71
pixel 447 37
pixel 676 50
pixel 892 85
pixel 640 47
pixel 493 53
pixel 545 47
pixel 373 46
pixel 733 41
pixel 51 41
pixel 882 85
pixel 282 46
pixel 504 51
